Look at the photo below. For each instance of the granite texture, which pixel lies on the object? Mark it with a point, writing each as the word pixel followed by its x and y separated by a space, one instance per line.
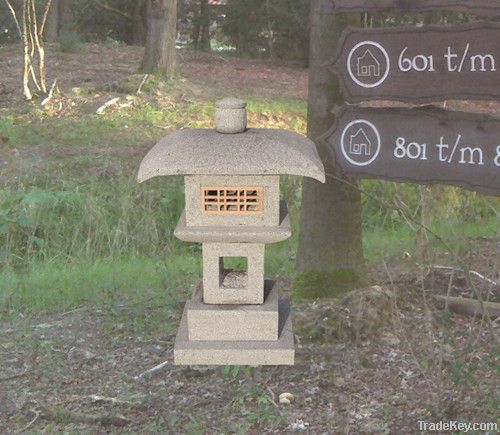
pixel 234 322
pixel 215 278
pixel 230 116
pixel 234 234
pixel 198 352
pixel 254 152
pixel 194 211
pixel 230 103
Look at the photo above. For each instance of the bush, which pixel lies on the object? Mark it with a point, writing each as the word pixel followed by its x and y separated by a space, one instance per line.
pixel 70 42
pixel 258 26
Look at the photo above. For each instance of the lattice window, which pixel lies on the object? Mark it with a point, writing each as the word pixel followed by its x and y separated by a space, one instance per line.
pixel 232 200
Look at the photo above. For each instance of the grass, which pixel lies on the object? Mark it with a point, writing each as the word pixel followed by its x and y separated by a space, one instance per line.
pixel 380 242
pixel 56 286
pixel 76 227
pixel 100 243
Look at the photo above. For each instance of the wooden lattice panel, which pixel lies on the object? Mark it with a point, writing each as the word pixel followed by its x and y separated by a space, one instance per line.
pixel 232 200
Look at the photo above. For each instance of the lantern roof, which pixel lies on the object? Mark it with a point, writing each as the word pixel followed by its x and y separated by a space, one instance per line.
pixel 252 152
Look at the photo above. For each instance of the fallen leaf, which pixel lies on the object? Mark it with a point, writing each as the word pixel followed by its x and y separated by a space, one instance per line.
pixel 286 398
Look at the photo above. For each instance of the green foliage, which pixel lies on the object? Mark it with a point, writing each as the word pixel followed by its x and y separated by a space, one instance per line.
pixel 261 413
pixel 289 23
pixel 96 24
pixel 91 220
pixel 274 27
pixel 383 19
pixel 81 229
pixel 265 413
pixel 243 25
pixel 70 42
pixel 230 372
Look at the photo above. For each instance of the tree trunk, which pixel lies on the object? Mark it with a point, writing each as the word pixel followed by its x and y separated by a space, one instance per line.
pixel 204 26
pixel 330 254
pixel 65 17
pixel 51 30
pixel 270 32
pixel 139 23
pixel 196 32
pixel 160 55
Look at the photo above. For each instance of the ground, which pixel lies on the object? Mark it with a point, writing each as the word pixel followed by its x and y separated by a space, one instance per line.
pixel 80 322
pixel 382 373
pixel 105 64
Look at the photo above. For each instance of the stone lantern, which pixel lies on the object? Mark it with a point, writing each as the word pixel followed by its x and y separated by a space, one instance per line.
pixel 233 207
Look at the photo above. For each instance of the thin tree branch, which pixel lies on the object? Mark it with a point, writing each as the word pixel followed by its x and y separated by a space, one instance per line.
pixel 469 306
pixel 63 416
pixel 29 25
pixel 386 204
pixel 31 423
pixel 39 47
pixel 26 78
pixel 50 94
pixel 44 19
pixel 472 272
pixel 143 81
pixel 31 43
pixel 18 375
pixel 14 16
pixel 152 370
pixel 107 7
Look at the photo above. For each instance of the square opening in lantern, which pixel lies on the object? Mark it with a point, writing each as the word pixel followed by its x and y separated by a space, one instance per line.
pixel 233 272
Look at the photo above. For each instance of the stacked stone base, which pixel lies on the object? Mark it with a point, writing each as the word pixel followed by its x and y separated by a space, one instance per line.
pixel 236 334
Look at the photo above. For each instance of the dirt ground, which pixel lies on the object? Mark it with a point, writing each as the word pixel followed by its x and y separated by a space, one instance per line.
pixel 378 361
pixel 101 64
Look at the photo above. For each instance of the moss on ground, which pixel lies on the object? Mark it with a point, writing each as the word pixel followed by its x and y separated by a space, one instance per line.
pixel 328 283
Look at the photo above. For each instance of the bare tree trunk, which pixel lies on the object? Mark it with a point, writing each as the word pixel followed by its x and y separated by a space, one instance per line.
pixel 270 32
pixel 65 17
pixel 196 35
pixel 139 23
pixel 196 29
pixel 330 255
pixel 205 26
pixel 38 43
pixel 27 57
pixel 32 37
pixel 160 54
pixel 51 32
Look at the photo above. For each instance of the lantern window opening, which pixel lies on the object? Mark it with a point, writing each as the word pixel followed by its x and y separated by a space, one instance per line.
pixel 232 200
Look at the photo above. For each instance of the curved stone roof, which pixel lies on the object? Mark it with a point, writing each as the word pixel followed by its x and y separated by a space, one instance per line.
pixel 254 152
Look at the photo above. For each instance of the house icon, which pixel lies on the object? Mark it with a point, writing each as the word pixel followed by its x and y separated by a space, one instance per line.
pixel 368 65
pixel 360 144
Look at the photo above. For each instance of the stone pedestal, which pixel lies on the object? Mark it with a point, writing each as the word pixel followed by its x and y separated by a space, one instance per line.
pixel 236 334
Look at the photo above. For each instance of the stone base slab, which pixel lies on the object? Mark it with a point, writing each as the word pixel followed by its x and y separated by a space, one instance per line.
pixel 234 322
pixel 279 352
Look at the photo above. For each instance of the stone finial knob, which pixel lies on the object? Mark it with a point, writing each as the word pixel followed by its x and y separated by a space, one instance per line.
pixel 231 116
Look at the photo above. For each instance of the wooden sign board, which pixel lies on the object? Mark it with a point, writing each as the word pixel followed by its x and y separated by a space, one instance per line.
pixel 420 65
pixel 424 145
pixel 476 7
